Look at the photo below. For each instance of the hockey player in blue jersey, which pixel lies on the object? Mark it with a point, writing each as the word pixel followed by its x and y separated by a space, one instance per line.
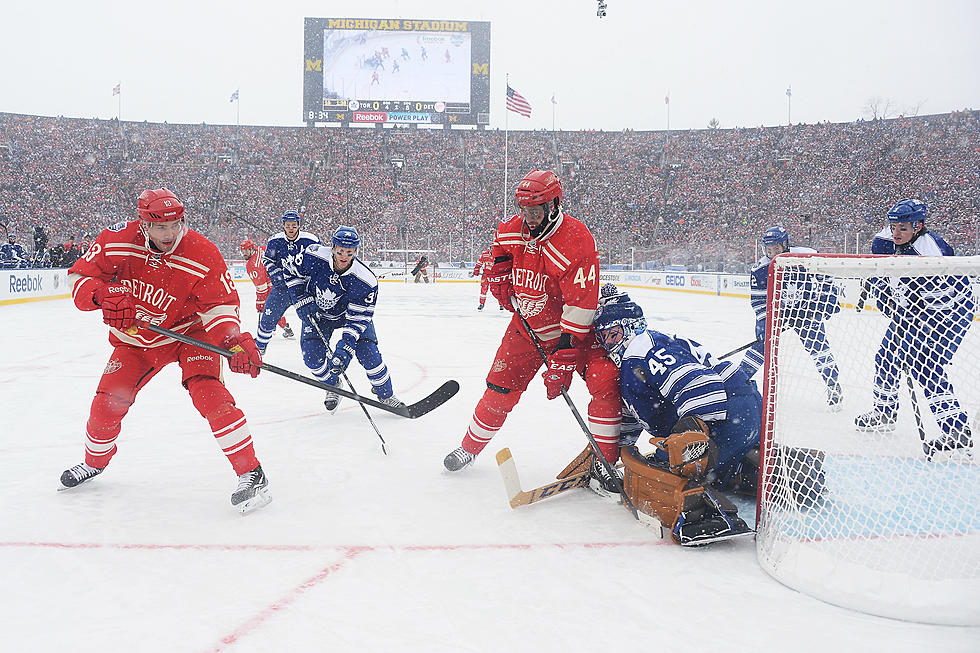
pixel 704 416
pixel 929 319
pixel 280 261
pixel 807 301
pixel 339 294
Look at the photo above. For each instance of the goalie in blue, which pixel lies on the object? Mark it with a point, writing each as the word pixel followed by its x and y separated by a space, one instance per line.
pixel 279 259
pixel 340 295
pixel 808 300
pixel 929 316
pixel 704 416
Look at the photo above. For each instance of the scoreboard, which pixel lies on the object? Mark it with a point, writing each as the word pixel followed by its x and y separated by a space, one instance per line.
pixel 376 70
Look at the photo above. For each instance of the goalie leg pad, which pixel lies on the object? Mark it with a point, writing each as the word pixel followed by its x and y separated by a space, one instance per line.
pixel 694 515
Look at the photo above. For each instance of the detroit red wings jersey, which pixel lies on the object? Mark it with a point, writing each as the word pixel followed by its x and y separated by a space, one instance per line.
pixel 556 279
pixel 175 291
pixel 484 264
pixel 258 274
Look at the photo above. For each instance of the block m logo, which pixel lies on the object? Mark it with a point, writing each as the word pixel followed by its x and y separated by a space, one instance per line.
pixel 481 69
pixel 314 66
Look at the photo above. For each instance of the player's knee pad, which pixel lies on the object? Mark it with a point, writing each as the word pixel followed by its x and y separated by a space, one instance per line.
pixel 499 399
pixel 314 352
pixel 107 411
pixel 209 396
pixel 368 354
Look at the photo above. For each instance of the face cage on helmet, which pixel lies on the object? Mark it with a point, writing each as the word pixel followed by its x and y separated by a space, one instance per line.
pixel 631 327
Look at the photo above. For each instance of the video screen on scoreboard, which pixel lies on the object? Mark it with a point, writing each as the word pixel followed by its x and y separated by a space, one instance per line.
pixel 375 70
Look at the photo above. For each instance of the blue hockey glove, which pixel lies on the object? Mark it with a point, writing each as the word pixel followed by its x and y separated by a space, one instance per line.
pixel 341 359
pixel 278 281
pixel 760 330
pixel 306 308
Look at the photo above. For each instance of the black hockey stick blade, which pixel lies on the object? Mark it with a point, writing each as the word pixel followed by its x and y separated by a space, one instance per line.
pixel 441 395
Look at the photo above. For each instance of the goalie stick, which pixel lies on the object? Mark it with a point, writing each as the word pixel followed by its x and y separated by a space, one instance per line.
pixel 518 497
pixel 441 395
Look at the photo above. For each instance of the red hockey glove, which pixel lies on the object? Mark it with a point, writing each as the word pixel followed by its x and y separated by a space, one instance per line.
pixel 499 279
pixel 561 366
pixel 259 305
pixel 118 309
pixel 246 359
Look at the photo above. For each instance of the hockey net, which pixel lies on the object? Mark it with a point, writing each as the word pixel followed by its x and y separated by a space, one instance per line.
pixel 869 485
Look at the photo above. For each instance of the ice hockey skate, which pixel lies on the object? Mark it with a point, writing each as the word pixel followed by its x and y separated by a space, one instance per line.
pixel 287 333
pixel 457 459
pixel 331 401
pixel 252 492
pixel 392 401
pixel 951 447
pixel 480 307
pixel 601 482
pixel 876 421
pixel 77 475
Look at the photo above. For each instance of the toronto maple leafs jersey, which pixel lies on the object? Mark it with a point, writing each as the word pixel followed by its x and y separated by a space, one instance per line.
pixel 280 258
pixel 664 378
pixel 347 298
pixel 817 293
pixel 923 298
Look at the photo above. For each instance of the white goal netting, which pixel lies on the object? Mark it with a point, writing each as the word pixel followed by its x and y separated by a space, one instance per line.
pixel 869 494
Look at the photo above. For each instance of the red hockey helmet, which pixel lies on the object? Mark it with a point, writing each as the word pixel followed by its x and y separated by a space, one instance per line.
pixel 538 187
pixel 248 245
pixel 159 205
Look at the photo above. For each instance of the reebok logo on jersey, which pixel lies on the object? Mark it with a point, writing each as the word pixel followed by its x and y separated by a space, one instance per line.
pixel 200 357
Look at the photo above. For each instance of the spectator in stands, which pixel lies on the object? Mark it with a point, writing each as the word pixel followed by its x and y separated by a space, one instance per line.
pixel 12 254
pixel 40 238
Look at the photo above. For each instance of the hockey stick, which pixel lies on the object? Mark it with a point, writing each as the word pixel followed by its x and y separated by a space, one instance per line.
pixel 440 396
pixel 518 497
pixel 578 416
pixel 735 351
pixel 915 411
pixel 326 343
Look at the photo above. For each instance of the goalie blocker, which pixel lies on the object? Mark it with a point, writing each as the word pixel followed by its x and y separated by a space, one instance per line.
pixel 672 491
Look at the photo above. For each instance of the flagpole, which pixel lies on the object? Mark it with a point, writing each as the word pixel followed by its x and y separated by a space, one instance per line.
pixel 789 105
pixel 503 215
pixel 119 110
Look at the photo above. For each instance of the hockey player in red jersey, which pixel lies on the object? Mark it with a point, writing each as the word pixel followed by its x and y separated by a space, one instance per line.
pixel 547 260
pixel 482 270
pixel 154 270
pixel 260 277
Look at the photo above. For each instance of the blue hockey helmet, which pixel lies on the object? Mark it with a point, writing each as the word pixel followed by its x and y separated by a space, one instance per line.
pixel 776 236
pixel 346 237
pixel 290 215
pixel 616 322
pixel 908 211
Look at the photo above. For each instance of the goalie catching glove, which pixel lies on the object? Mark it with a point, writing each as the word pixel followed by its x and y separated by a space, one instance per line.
pixel 690 451
pixel 341 358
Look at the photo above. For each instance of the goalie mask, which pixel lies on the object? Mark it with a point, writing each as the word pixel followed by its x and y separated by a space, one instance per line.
pixel 617 322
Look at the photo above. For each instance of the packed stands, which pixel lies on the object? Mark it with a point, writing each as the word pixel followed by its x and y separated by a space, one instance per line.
pixel 697 198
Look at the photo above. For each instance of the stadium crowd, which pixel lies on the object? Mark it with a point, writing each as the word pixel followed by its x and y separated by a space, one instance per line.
pixel 699 198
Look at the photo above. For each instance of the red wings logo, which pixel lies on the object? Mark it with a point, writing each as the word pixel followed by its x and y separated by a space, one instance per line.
pixel 143 315
pixel 531 306
pixel 114 365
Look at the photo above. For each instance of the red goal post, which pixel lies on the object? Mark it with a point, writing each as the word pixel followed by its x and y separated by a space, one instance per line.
pixel 875 519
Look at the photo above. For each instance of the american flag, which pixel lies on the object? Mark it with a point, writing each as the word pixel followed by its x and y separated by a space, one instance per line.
pixel 234 96
pixel 517 103
pixel 117 89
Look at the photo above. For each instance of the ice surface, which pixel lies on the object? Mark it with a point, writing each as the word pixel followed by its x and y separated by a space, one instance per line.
pixel 359 551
